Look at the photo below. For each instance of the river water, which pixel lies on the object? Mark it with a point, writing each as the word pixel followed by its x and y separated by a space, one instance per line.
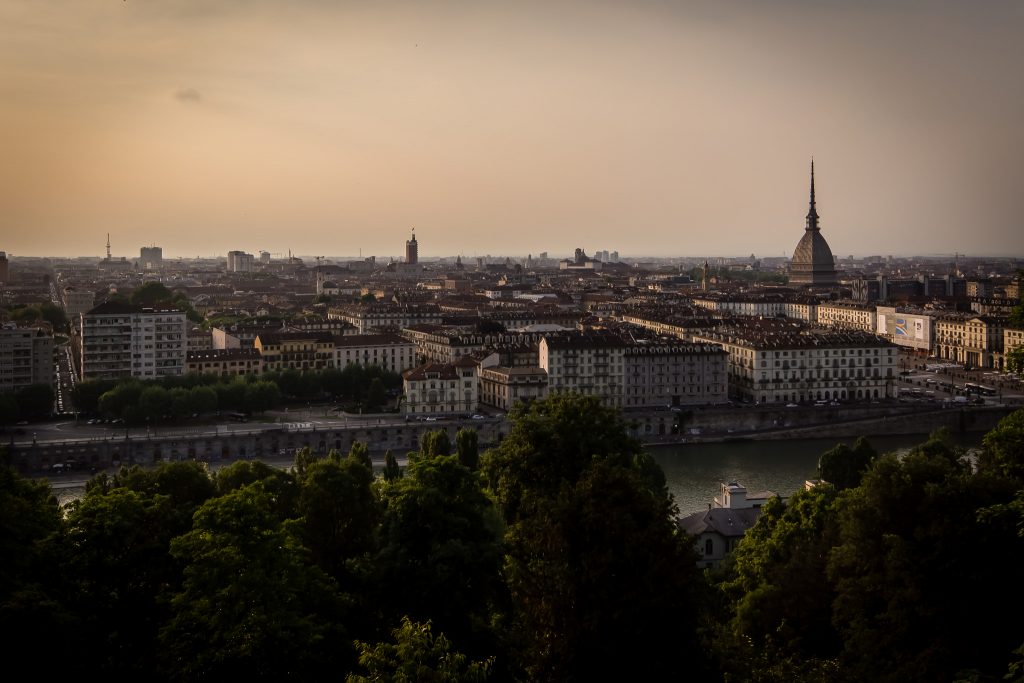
pixel 695 471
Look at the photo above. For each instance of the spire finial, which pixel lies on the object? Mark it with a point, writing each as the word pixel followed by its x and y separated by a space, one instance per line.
pixel 812 213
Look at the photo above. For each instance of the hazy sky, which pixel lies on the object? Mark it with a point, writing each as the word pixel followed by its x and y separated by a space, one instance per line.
pixel 651 128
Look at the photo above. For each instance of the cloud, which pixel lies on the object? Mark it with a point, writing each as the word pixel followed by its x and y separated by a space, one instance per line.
pixel 188 95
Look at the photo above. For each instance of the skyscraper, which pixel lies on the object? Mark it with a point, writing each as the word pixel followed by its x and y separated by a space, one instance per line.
pixel 412 249
pixel 812 262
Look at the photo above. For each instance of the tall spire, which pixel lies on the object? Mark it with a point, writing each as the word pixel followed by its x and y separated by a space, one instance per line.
pixel 812 213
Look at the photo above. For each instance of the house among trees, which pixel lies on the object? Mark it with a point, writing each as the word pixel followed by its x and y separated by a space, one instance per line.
pixel 720 528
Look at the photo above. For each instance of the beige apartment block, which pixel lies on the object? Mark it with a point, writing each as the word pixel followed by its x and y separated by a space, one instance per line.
pixel 780 366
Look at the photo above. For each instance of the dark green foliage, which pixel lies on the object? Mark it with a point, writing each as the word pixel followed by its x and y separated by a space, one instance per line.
pixel 35 401
pixel 337 512
pixel 908 572
pixel 440 551
pixel 250 606
pixel 360 453
pixel 30 612
pixel 150 294
pixel 418 655
pixel 435 442
pixel 777 584
pixel 1003 451
pixel 375 394
pixel 467 448
pixel 843 466
pixel 392 470
pixel 602 585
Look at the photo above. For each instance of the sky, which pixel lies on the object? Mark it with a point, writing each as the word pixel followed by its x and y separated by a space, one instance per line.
pixel 651 128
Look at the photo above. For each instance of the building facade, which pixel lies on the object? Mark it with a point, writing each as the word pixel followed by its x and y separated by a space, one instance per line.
pixel 26 357
pixel 225 362
pixel 437 389
pixel 388 351
pixel 122 340
pixel 775 365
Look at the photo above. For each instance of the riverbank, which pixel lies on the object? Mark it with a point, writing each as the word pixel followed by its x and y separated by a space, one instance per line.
pixel 817 423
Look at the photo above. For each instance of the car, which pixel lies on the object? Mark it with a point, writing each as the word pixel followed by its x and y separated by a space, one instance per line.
pixel 478 417
pixel 792 405
pixel 22 422
pixel 430 419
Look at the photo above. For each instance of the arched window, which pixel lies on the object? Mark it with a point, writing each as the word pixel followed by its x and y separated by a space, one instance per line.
pixel 709 547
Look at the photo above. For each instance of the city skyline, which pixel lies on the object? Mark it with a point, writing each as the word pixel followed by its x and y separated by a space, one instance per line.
pixel 204 127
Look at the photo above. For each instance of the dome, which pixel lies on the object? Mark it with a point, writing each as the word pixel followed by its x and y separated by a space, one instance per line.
pixel 812 261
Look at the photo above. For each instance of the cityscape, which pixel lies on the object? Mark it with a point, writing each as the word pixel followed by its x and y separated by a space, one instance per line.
pixel 566 341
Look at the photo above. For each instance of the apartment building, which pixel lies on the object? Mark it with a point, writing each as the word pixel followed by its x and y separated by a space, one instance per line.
pixel 503 386
pixel 389 351
pixel 370 317
pixel 662 374
pixel 847 316
pixel 785 364
pixel 976 341
pixel 295 350
pixel 438 389
pixel 77 301
pixel 225 362
pixel 26 357
pixel 123 340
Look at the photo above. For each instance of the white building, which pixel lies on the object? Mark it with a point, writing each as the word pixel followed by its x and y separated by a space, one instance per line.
pixel 389 351
pixel 122 340
pixel 783 364
pixel 441 389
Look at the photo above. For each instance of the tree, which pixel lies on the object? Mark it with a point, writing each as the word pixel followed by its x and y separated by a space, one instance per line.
pixel 117 562
pixel 1015 360
pixel 435 442
pixel 842 466
pixel 776 585
pixel 575 489
pixel 440 551
pixel 32 584
pixel 54 315
pixel 150 294
pixel 418 655
pixel 8 409
pixel 360 452
pixel 35 401
pixel 155 402
pixel 375 394
pixel 906 570
pixel 392 471
pixel 1003 447
pixel 467 448
pixel 250 605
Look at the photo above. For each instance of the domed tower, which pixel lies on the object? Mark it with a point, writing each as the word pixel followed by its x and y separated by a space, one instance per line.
pixel 812 262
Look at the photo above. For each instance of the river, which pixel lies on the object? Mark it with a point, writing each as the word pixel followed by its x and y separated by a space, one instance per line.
pixel 694 472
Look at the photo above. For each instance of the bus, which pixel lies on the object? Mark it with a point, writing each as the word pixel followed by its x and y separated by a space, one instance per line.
pixel 980 389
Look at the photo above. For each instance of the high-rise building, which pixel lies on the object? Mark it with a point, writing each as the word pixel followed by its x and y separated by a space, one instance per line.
pixel 122 340
pixel 412 249
pixel 26 357
pixel 151 258
pixel 812 262
pixel 5 273
pixel 240 262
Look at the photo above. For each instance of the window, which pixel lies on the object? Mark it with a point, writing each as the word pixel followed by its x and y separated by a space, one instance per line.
pixel 709 547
